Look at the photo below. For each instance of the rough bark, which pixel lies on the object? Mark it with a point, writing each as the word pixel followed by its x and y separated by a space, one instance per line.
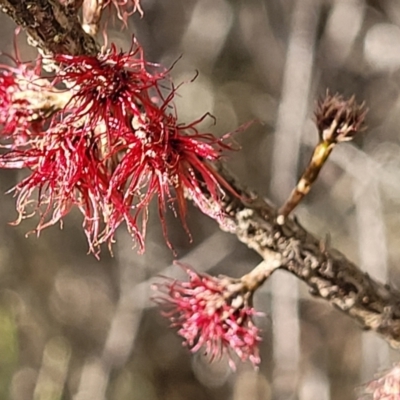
pixel 328 273
pixel 51 27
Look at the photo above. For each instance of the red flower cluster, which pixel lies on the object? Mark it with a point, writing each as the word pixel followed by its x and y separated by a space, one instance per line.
pixel 212 313
pixel 113 145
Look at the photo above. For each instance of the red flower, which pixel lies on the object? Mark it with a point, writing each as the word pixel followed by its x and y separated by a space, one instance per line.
pixel 114 145
pixel 65 172
pixel 111 88
pixel 18 116
pixel 214 314
pixel 146 150
pixel 159 154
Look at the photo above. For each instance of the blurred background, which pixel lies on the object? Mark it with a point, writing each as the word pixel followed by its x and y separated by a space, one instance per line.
pixel 72 327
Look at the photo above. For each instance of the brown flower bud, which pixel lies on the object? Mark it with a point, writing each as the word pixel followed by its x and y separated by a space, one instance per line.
pixel 339 120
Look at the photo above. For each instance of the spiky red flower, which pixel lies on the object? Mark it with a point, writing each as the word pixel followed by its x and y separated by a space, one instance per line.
pixel 159 154
pixel 112 87
pixel 114 145
pixel 65 172
pixel 214 314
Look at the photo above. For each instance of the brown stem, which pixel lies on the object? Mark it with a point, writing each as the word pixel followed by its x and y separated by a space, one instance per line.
pixel 91 15
pixel 258 275
pixel 51 27
pixel 338 120
pixel 327 272
pixel 318 159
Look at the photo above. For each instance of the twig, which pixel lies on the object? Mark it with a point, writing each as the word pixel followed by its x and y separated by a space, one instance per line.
pixel 338 120
pixel 327 272
pixel 51 26
pixel 91 15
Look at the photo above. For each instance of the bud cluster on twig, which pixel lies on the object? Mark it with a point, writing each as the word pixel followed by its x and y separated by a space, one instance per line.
pixel 338 120
pixel 215 314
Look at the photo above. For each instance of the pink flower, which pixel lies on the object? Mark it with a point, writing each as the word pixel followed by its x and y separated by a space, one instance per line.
pixel 387 387
pixel 214 314
pixel 65 172
pixel 18 115
pixel 125 8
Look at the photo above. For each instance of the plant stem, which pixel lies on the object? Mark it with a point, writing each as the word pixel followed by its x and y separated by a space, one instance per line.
pixel 317 161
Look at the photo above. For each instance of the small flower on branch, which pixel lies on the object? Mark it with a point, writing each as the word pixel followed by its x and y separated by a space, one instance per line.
pixel 112 87
pixel 92 11
pixel 386 387
pixel 214 314
pixel 338 119
pixel 65 172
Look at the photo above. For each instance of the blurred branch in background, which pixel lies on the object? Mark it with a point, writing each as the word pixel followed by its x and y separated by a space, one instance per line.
pixel 291 117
